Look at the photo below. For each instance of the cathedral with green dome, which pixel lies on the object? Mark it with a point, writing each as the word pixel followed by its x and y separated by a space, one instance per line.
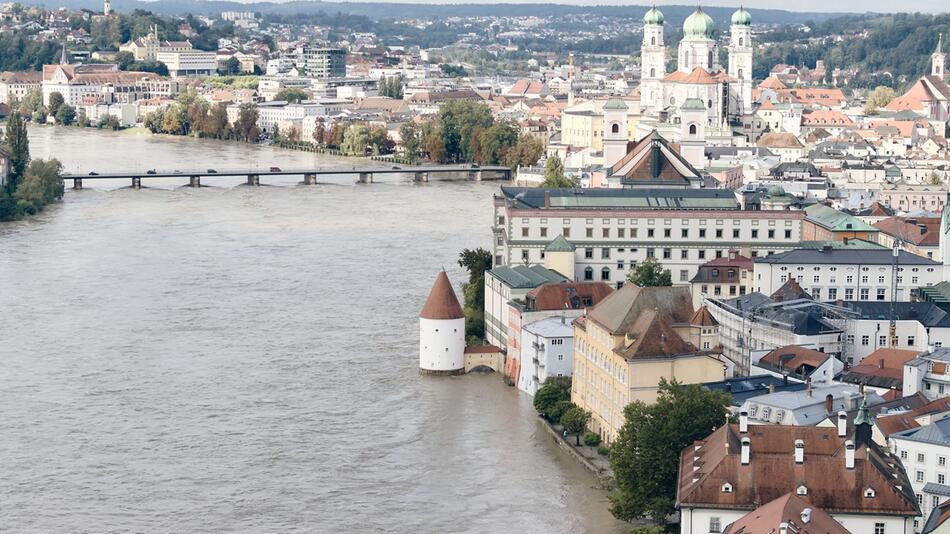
pixel 726 91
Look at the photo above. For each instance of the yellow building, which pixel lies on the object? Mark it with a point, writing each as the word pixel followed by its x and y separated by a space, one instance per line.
pixel 634 338
pixel 582 125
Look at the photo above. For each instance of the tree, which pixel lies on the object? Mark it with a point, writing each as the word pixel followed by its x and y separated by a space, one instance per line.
pixel 555 390
pixel 56 101
pixel 878 98
pixel 217 124
pixel 291 94
pixel 65 115
pixel 123 59
pixel 649 273
pixel 495 142
pixel 554 174
pixel 153 66
pixel 41 184
pixel 319 131
pixel 18 147
pixel 574 420
pixel 457 120
pixel 525 153
pixel 379 141
pixel 245 127
pixel 476 262
pixel 355 140
pixel 230 67
pixel 645 456
pixel 391 87
pixel 411 139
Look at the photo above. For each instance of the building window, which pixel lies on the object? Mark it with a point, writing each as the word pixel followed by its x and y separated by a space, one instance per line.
pixel 588 273
pixel 605 253
pixel 667 253
pixel 718 233
pixel 941 461
pixel 903 455
pixel 715 525
pixel 941 478
pixel 788 234
pixel 881 293
pixel 649 232
pixel 666 232
pixel 864 293
pixel 684 254
pixel 735 234
pixel 684 233
pixel 771 234
pixel 755 234
pixel 588 253
pixel 702 232
pixel 864 339
pixel 620 232
pixel 921 458
pixel 589 232
pixel 605 273
pixel 524 254
pixel 920 476
pixel 651 253
pixel 702 254
pixel 524 232
pixel 544 232
pixel 832 293
pixel 910 341
pixel 684 276
pixel 879 528
pixel 882 341
pixel 620 265
pixel 849 294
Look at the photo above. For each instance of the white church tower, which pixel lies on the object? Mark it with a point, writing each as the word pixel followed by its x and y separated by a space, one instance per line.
pixel 740 58
pixel 107 7
pixel 698 47
pixel 615 131
pixel 693 132
pixel 442 330
pixel 652 60
pixel 938 60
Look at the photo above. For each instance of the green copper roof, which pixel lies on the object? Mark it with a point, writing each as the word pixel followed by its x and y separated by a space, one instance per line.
pixel 559 244
pixel 863 417
pixel 741 18
pixel 699 25
pixel 835 220
pixel 615 103
pixel 653 16
pixel 693 104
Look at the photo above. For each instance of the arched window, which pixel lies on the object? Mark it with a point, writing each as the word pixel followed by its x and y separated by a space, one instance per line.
pixel 653 73
pixel 653 41
pixel 605 273
pixel 709 103
pixel 588 273
pixel 740 74
pixel 692 129
pixel 710 62
pixel 740 41
pixel 615 128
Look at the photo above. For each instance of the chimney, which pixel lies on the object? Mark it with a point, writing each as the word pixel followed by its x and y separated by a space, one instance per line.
pixel 743 421
pixel 846 241
pixel 771 388
pixel 849 454
pixel 842 424
pixel 745 452
pixel 806 516
pixel 829 403
pixel 799 451
pixel 880 363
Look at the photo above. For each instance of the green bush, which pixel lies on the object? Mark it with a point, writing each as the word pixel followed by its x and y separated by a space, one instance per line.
pixel 603 450
pixel 25 207
pixel 591 439
pixel 558 409
pixel 648 530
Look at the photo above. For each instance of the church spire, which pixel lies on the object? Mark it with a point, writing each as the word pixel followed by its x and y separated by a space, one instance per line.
pixel 63 58
pixel 938 60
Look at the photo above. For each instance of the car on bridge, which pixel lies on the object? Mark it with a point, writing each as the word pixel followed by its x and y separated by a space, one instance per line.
pixel 93 173
pixel 151 171
pixel 397 168
pixel 275 169
pixel 212 171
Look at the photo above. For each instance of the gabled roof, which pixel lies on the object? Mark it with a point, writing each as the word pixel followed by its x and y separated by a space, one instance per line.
pixel 653 337
pixel 937 433
pixel 620 310
pixel 917 230
pixel 779 140
pixel 788 513
pixel 560 244
pixel 442 302
pixel 891 424
pixel 654 161
pixel 834 220
pixel 566 295
pixel 772 472
pixel 772 82
pixel 702 317
pixel 794 359
pixel 789 291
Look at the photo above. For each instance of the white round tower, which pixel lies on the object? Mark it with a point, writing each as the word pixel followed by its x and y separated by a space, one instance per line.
pixel 442 330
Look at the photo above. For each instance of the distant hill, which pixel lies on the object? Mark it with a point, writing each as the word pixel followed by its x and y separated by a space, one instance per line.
pixel 382 10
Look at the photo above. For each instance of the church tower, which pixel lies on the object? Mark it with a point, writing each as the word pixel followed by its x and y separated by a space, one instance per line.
pixel 615 131
pixel 106 8
pixel 698 47
pixel 938 60
pixel 652 60
pixel 693 132
pixel 740 58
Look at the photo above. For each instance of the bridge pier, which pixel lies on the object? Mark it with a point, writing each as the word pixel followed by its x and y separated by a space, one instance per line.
pixel 366 177
pixel 136 182
pixel 475 175
pixel 253 179
pixel 77 183
pixel 194 181
pixel 309 179
pixel 421 176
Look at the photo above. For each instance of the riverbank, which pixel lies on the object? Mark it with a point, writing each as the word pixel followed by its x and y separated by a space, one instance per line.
pixel 587 456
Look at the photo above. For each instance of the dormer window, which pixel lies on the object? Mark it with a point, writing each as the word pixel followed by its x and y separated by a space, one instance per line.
pixel 869 493
pixel 802 490
pixel 727 488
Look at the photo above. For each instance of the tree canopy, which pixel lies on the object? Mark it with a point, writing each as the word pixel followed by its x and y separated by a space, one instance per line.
pixel 650 273
pixel 476 262
pixel 645 456
pixel 553 397
pixel 554 174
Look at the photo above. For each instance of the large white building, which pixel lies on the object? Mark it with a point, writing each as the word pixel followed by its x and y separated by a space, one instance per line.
pixel 613 230
pixel 188 63
pixel 546 349
pixel 282 115
pixel 504 284
pixel 832 273
pixel 924 452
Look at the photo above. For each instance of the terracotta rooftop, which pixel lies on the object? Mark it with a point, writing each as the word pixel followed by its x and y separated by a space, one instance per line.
pixel 889 424
pixel 442 303
pixel 702 317
pixel 566 295
pixel 917 230
pixel 772 472
pixel 794 358
pixel 789 513
pixel 888 358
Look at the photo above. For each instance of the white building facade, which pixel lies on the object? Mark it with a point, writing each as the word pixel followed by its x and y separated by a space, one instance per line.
pixel 546 348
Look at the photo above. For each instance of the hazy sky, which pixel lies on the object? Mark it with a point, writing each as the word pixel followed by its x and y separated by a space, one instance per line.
pixel 884 6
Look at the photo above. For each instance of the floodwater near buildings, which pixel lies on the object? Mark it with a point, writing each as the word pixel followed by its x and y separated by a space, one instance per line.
pixel 237 358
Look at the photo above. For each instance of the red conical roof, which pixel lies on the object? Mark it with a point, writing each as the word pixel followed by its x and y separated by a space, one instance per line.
pixel 442 303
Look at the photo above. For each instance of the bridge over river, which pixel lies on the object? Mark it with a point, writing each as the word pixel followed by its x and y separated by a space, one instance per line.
pixel 362 174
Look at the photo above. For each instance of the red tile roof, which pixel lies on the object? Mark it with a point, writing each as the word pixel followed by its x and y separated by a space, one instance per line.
pixel 442 303
pixel 787 514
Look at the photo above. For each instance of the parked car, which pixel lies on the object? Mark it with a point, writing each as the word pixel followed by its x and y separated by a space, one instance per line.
pixel 275 169
pixel 91 173
pixel 150 171
pixel 212 171
pixel 176 171
pixel 474 165
pixel 397 168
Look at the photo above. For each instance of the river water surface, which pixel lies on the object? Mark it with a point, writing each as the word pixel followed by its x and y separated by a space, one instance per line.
pixel 234 358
